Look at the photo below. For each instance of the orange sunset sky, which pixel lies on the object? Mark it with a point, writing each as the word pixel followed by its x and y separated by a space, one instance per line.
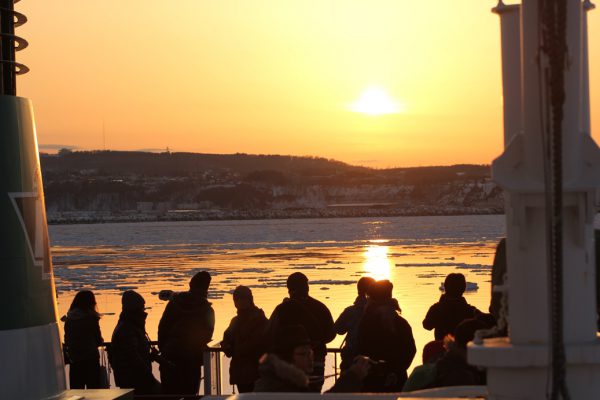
pixel 273 77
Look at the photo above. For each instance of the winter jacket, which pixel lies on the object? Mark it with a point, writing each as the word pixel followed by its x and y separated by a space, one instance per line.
pixel 445 315
pixel 453 370
pixel 313 315
pixel 243 342
pixel 348 322
pixel 422 377
pixel 129 353
pixel 186 327
pixel 385 336
pixel 82 335
pixel 277 375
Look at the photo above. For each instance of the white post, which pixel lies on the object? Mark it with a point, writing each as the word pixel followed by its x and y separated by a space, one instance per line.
pixel 585 70
pixel 518 366
pixel 510 31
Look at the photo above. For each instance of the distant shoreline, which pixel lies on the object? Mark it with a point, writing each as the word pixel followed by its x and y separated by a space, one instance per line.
pixel 72 218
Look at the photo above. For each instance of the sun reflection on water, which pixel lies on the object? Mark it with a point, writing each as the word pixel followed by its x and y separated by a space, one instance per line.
pixel 377 264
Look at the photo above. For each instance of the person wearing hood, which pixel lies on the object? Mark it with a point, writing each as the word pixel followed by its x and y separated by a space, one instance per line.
pixel 243 340
pixel 130 350
pixel 348 322
pixel 445 315
pixel 289 365
pixel 314 316
pixel 386 337
pixel 423 376
pixel 453 369
pixel 184 331
pixel 82 338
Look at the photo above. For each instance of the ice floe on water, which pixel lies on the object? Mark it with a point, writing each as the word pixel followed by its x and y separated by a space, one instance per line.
pixel 474 266
pixel 122 275
pixel 303 266
pixel 471 287
pixel 445 264
pixel 255 270
pixel 290 255
pixel 400 254
pixel 332 282
pixel 430 275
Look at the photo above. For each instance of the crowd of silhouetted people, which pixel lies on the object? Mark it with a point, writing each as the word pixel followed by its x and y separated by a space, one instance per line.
pixel 283 353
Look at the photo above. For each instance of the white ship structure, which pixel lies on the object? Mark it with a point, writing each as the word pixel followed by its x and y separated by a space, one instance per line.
pixel 549 170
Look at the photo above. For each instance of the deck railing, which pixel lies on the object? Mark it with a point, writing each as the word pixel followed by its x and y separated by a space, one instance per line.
pixel 213 374
pixel 212 371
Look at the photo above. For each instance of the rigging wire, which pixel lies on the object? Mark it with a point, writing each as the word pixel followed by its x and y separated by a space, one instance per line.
pixel 553 44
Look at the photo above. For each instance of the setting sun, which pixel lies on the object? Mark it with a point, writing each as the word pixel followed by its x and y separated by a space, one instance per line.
pixel 377 264
pixel 376 101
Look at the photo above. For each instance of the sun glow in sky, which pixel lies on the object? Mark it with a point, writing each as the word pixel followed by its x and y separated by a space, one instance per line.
pixel 375 100
pixel 273 77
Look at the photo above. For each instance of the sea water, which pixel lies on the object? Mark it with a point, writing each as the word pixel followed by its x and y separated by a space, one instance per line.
pixel 414 253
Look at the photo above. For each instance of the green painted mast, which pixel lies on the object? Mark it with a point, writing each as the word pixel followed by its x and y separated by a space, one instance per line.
pixel 32 365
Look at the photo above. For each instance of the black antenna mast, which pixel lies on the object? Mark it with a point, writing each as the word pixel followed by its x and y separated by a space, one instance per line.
pixel 9 44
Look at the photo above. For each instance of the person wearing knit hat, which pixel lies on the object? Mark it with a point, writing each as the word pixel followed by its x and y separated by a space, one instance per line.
pixel 381 290
pixel 243 340
pixel 385 335
pixel 186 327
pixel 452 308
pixel 302 309
pixel 347 322
pixel 130 355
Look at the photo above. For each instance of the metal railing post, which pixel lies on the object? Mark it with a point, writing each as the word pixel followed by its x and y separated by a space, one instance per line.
pixel 216 363
pixel 206 366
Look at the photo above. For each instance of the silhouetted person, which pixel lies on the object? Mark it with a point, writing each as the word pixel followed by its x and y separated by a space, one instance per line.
pixel 452 369
pixel 289 365
pixel 184 331
pixel 348 322
pixel 243 340
pixel 383 335
pixel 82 338
pixel 314 316
pixel 452 308
pixel 129 352
pixel 423 376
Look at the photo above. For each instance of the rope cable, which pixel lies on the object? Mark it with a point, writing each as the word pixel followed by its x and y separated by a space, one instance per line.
pixel 552 15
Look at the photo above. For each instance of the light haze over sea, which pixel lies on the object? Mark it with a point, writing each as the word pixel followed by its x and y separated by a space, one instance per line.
pixel 414 253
